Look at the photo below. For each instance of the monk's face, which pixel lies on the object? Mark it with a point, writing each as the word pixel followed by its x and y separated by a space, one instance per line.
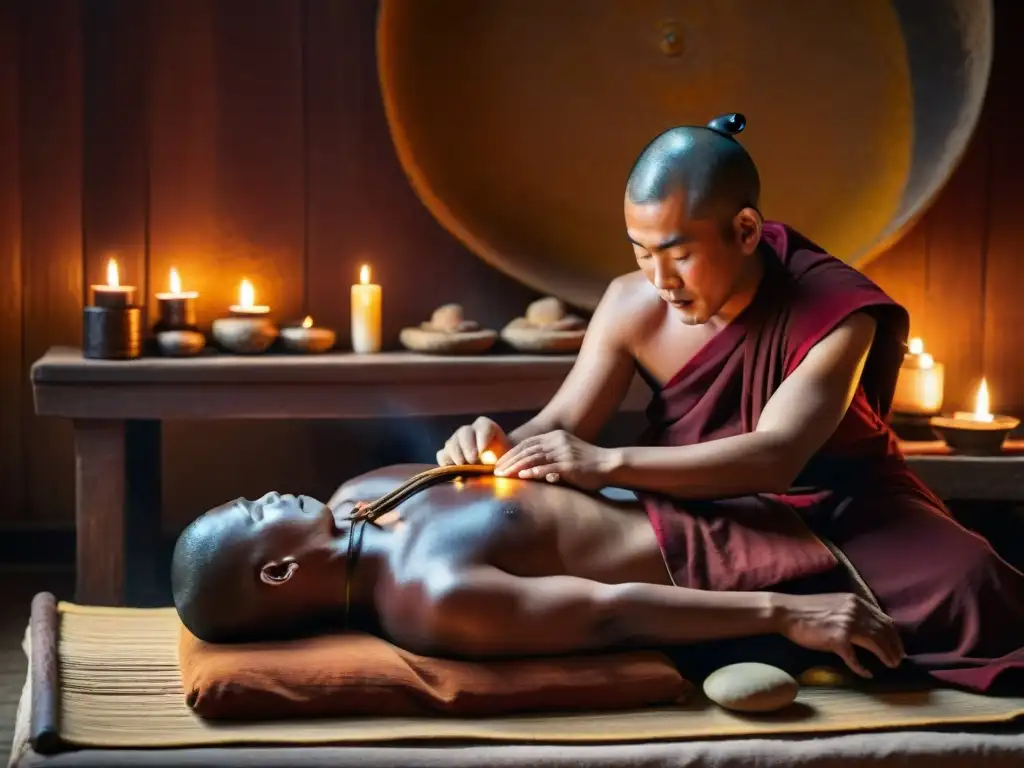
pixel 698 266
pixel 284 536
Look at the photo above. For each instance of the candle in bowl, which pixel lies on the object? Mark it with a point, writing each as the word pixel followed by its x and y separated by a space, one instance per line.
pixel 919 387
pixel 112 324
pixel 307 337
pixel 177 308
pixel 978 432
pixel 366 307
pixel 249 330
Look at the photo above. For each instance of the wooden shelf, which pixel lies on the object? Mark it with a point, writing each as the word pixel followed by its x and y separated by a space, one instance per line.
pixel 330 386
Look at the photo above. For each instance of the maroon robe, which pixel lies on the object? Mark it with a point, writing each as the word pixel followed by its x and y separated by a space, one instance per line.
pixel 944 586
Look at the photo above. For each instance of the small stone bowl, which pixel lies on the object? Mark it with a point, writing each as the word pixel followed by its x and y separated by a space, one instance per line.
pixel 311 341
pixel 180 343
pixel 974 438
pixel 244 335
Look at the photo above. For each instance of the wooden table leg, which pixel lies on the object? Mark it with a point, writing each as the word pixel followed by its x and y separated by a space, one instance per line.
pixel 99 511
pixel 117 511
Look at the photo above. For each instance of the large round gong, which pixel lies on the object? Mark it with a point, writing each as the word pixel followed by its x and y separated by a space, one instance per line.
pixel 517 121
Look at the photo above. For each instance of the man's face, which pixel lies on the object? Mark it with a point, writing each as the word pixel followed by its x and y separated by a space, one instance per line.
pixel 696 265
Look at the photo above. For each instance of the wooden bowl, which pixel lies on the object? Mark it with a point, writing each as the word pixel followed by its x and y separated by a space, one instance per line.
pixel 432 342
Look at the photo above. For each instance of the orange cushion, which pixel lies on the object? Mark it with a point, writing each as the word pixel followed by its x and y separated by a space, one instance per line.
pixel 359 674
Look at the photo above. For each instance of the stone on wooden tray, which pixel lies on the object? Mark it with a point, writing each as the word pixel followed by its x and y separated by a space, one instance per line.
pixel 448 333
pixel 751 687
pixel 546 327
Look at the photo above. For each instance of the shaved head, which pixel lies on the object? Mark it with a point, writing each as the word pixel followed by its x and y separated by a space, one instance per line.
pixel 706 164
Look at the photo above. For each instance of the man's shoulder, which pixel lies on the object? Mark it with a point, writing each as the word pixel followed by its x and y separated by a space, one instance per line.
pixel 630 304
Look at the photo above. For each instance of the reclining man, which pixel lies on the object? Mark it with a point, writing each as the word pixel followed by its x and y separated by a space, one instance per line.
pixel 773 366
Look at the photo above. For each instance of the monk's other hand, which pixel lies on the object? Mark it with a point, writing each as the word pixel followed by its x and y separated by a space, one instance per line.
pixel 557 456
pixel 839 623
pixel 482 442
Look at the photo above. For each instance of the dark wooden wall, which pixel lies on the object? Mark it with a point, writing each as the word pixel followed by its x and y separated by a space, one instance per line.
pixel 235 138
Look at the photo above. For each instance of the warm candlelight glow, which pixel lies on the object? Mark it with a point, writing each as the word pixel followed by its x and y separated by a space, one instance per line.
pixel 981 404
pixel 113 279
pixel 308 322
pixel 488 457
pixel 247 301
pixel 175 281
pixel 246 295
pixel 364 275
pixel 919 387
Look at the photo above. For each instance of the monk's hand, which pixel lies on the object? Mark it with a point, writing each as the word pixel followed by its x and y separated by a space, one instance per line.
pixel 839 623
pixel 557 456
pixel 470 444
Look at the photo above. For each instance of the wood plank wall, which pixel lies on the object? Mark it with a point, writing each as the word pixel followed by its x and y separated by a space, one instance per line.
pixel 232 138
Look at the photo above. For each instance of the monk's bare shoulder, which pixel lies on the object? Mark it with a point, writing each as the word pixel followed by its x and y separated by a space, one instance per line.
pixel 634 307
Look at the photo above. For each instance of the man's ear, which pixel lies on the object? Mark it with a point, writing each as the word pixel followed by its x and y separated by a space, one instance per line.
pixel 747 224
pixel 278 572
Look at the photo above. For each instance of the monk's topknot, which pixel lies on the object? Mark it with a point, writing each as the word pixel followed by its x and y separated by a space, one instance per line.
pixel 707 163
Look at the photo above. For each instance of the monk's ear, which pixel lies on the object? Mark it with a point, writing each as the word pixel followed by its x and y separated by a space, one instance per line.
pixel 278 572
pixel 747 226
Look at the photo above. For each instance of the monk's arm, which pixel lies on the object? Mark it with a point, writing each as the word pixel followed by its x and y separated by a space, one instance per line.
pixel 487 612
pixel 796 421
pixel 598 382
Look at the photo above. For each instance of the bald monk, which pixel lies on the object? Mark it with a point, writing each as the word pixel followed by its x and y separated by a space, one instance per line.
pixel 484 567
pixel 773 367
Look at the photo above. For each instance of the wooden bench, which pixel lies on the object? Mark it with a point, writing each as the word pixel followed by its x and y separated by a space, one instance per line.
pixel 117 409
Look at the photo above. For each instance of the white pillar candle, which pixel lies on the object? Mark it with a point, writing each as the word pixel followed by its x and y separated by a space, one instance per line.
pixel 919 388
pixel 366 306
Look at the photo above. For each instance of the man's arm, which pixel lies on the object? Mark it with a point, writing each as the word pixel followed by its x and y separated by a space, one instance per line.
pixel 598 381
pixel 487 612
pixel 797 420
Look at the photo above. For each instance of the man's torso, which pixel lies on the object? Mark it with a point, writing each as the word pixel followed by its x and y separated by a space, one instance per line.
pixel 525 528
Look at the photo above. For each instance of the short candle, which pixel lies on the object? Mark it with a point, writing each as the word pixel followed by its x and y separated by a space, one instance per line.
pixel 919 387
pixel 366 313
pixel 113 295
pixel 307 337
pixel 177 309
pixel 978 431
pixel 247 305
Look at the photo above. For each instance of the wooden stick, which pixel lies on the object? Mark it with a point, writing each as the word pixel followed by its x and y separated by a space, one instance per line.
pixel 44 722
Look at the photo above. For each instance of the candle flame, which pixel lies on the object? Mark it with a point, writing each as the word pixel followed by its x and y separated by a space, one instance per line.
pixel 488 457
pixel 246 295
pixel 113 279
pixel 175 281
pixel 916 346
pixel 308 322
pixel 927 361
pixel 364 274
pixel 981 403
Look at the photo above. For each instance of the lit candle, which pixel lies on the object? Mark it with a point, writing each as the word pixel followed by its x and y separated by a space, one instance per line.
pixel 978 431
pixel 307 337
pixel 366 312
pixel 113 295
pixel 177 308
pixel 112 324
pixel 247 305
pixel 488 457
pixel 919 387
